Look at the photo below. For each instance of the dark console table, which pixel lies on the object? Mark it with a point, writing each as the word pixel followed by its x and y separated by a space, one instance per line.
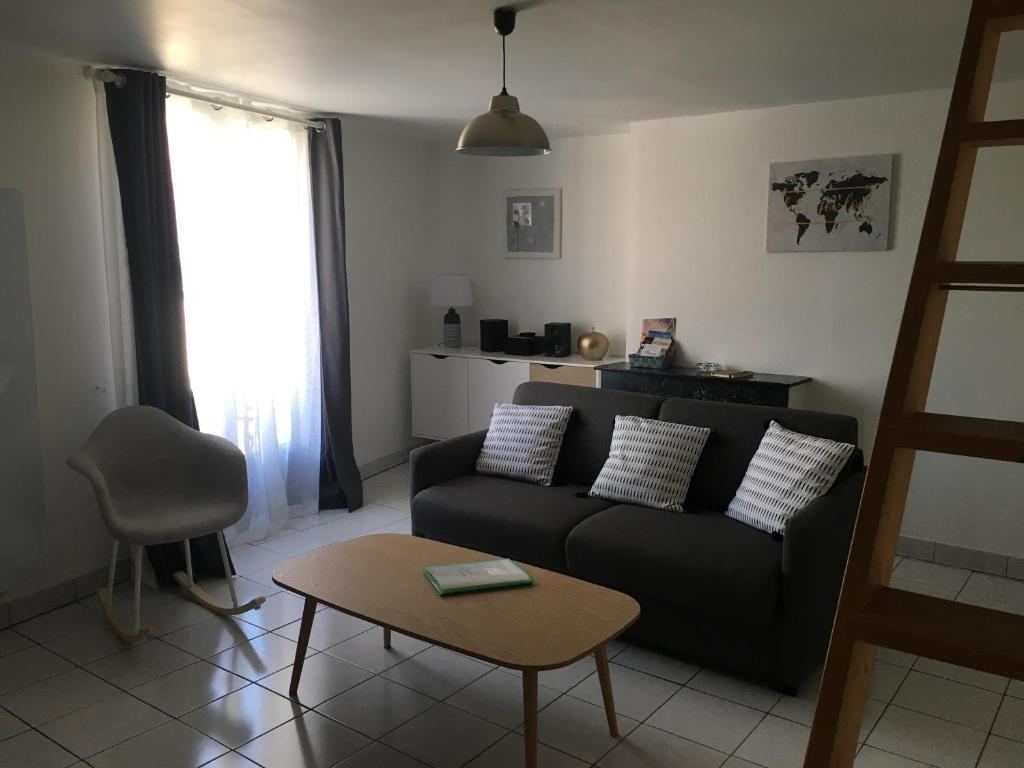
pixel 761 389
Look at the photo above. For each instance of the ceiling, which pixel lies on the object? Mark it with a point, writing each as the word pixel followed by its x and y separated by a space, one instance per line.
pixel 578 66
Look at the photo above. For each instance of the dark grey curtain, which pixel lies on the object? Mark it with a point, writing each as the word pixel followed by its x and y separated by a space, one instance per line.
pixel 138 131
pixel 340 483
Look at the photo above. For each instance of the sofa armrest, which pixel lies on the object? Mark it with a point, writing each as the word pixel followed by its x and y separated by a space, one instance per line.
pixel 818 536
pixel 445 460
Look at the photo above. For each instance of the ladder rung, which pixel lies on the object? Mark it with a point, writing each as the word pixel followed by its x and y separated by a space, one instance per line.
pixel 955 273
pixel 959 435
pixel 993 133
pixel 980 638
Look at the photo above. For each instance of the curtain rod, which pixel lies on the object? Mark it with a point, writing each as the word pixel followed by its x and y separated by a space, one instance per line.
pixel 109 76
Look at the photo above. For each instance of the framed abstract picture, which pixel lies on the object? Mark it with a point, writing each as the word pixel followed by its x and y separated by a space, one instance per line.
pixel 839 204
pixel 533 224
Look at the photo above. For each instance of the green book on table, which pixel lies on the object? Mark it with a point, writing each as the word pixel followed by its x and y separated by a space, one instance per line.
pixel 473 577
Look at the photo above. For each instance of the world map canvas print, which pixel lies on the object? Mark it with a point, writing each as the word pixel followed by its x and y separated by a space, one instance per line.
pixel 839 204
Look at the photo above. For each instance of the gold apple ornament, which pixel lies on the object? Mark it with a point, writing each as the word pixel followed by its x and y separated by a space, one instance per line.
pixel 593 345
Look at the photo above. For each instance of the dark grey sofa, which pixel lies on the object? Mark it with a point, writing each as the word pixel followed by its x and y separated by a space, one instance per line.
pixel 710 588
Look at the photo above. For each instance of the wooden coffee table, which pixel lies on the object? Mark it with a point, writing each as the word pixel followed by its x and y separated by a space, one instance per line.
pixel 378 578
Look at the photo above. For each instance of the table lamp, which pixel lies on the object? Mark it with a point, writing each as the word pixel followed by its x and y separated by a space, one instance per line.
pixel 451 291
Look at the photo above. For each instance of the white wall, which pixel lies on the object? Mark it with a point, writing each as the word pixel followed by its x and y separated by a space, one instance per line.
pixel 48 152
pixel 669 220
pixel 584 287
pixel 389 184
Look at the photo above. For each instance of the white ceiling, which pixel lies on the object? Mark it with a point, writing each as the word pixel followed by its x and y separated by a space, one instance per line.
pixel 578 66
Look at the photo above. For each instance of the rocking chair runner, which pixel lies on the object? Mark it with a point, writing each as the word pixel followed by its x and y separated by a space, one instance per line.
pixel 159 481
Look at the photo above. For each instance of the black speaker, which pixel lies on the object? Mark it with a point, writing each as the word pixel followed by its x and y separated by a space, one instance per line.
pixel 557 339
pixel 526 343
pixel 492 335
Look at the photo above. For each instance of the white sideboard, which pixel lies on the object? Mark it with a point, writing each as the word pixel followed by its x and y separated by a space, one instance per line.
pixel 454 391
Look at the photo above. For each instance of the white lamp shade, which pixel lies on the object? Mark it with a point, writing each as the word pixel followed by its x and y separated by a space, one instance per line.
pixel 451 291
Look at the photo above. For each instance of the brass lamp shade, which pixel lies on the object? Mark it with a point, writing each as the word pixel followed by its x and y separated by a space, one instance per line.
pixel 503 131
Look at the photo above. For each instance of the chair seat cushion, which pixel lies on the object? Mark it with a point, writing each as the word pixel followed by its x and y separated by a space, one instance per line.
pixel 508 518
pixel 704 562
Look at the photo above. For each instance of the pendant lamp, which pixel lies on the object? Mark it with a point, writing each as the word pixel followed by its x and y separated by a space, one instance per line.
pixel 503 130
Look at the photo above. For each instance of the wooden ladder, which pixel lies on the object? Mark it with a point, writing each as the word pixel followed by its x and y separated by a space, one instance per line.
pixel 870 612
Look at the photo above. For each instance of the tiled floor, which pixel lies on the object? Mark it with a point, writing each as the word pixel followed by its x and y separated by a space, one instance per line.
pixel 211 691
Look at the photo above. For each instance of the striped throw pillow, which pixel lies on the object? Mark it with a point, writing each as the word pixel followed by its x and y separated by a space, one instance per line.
pixel 523 441
pixel 788 472
pixel 650 462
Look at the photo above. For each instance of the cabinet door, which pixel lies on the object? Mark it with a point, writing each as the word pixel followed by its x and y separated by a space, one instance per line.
pixel 439 396
pixel 492 382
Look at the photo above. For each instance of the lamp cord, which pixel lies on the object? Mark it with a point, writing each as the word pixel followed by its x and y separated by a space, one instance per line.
pixel 503 90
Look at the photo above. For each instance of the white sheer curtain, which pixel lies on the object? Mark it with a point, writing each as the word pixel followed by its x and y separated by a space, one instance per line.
pixel 241 189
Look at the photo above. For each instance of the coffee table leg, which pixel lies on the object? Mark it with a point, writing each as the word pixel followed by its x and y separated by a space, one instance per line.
pixel 308 612
pixel 601 657
pixel 387 638
pixel 530 716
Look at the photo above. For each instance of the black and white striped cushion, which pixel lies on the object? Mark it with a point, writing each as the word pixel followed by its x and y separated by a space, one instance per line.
pixel 650 462
pixel 523 441
pixel 788 472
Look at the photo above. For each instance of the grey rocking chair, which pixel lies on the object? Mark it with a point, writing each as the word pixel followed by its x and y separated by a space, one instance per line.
pixel 158 481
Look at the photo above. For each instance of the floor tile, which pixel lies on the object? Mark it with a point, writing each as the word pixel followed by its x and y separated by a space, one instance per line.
pixel 1016 688
pixel 89 644
pixel 140 664
pixel 212 636
pixel 886 680
pixel 897 658
pixel 564 678
pixel 243 715
pixel 58 623
pixel 280 609
pixel 637 694
pixel 1010 720
pixel 10 725
pixel 437 672
pixel 33 750
pixel 508 753
pixel 927 739
pixel 995 588
pixel 801 710
pixel 174 613
pixel 246 589
pixel 648 747
pixel 922 588
pixel 231 760
pixel 247 558
pixel 102 725
pixel 1002 753
pixel 869 757
pixel 323 677
pixel 171 745
pixel 706 719
pixel 189 688
pixel 498 697
pixel 259 657
pixel 22 668
pixel 379 494
pixel 948 700
pixel 11 641
pixel 444 737
pixel 376 706
pixel 658 664
pixel 776 743
pixel 378 755
pixel 735 762
pixel 396 477
pixel 367 650
pixel 580 728
pixel 986 602
pixel 330 627
pixel 933 574
pixel 734 689
pixel 974 677
pixel 57 696
pixel 308 741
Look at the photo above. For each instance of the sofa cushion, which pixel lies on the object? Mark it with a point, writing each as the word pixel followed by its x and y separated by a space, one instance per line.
pixel 703 562
pixel 589 435
pixel 736 432
pixel 523 442
pixel 525 522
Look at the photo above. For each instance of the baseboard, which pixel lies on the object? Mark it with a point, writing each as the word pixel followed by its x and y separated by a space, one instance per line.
pixel 29 606
pixel 376 466
pixel 961 557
